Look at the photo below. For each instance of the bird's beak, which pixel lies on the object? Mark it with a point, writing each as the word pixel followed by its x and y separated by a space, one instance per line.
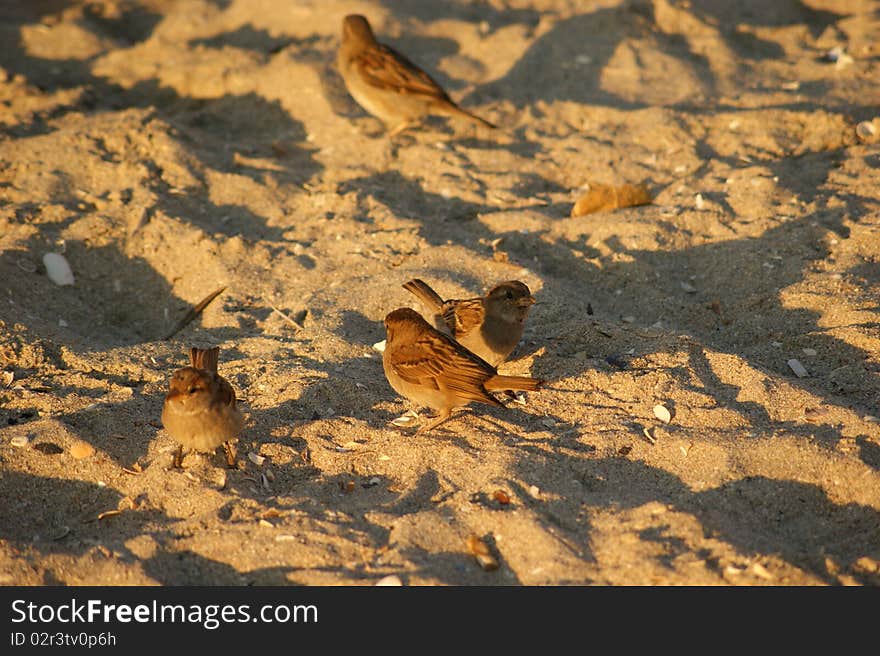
pixel 526 301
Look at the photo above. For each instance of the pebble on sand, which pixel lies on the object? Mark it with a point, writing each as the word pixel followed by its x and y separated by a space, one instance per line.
pixel 58 269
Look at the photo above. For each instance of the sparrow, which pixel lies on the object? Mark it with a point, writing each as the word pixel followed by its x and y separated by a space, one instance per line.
pixel 489 327
pixel 387 84
pixel 200 410
pixel 432 369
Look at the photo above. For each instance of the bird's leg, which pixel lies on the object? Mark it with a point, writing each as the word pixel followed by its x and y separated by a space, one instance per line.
pixel 229 450
pixel 177 463
pixel 436 421
pixel 400 127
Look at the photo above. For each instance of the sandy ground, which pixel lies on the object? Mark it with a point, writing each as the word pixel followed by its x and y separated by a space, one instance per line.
pixel 171 148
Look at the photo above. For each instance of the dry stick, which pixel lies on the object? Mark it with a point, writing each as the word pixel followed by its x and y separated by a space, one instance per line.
pixel 285 317
pixel 193 313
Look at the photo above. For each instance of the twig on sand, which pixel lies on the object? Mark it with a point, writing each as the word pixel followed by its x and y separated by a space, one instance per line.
pixel 286 317
pixel 193 313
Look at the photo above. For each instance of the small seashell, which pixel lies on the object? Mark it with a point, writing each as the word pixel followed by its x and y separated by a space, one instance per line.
pixel 256 458
pixel 867 130
pixel 19 441
pixel 405 419
pixel 80 450
pixel 392 580
pixel 662 413
pixel 809 351
pixel 480 551
pixel 379 346
pixel 798 368
pixel 58 269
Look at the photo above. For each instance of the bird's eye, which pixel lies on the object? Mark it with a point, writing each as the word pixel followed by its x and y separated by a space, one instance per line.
pixel 192 389
pixel 509 295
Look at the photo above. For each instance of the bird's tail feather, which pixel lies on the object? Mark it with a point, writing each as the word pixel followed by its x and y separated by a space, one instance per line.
pixel 206 359
pixel 499 383
pixel 424 293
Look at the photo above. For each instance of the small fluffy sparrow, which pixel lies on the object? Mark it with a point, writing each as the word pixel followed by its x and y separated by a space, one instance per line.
pixel 432 369
pixel 200 409
pixel 387 84
pixel 490 327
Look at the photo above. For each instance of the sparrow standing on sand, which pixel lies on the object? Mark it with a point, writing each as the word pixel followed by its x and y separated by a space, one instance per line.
pixel 200 410
pixel 489 327
pixel 432 369
pixel 387 84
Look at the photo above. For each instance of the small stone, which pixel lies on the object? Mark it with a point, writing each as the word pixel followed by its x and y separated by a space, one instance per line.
pixel 19 441
pixel 798 369
pixel 809 351
pixel 535 491
pixel 58 269
pixel 759 570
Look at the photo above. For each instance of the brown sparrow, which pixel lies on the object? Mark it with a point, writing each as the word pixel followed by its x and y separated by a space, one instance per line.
pixel 432 369
pixel 200 409
pixel 387 84
pixel 490 326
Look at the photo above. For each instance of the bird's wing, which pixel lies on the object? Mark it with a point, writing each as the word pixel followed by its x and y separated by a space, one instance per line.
pixel 384 67
pixel 463 317
pixel 436 360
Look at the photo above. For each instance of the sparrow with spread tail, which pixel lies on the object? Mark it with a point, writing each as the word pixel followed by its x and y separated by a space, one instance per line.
pixel 489 327
pixel 387 84
pixel 200 410
pixel 432 369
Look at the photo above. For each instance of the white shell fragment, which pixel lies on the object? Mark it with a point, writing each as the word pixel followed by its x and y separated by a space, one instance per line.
pixel 19 441
pixel 256 458
pixel 662 413
pixel 6 378
pixel 405 419
pixel 379 346
pixel 809 351
pixel 391 580
pixel 798 368
pixel 58 269
pixel 689 288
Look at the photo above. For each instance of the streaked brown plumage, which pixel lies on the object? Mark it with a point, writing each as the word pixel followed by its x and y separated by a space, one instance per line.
pixel 490 326
pixel 432 369
pixel 387 84
pixel 200 410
